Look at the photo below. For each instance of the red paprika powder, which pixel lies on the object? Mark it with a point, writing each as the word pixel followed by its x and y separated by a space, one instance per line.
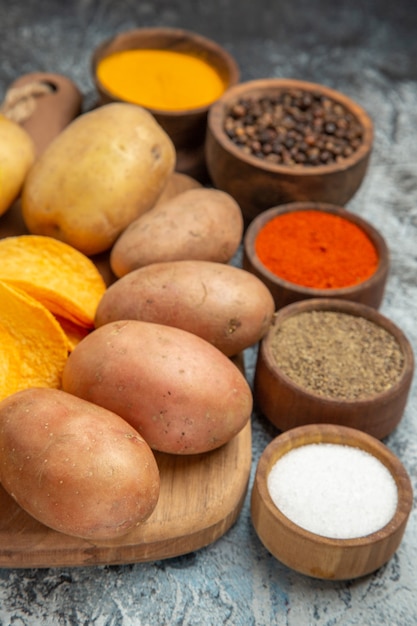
pixel 316 249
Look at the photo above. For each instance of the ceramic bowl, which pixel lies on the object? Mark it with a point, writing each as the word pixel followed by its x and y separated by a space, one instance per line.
pixel 369 292
pixel 258 184
pixel 316 555
pixel 185 127
pixel 287 404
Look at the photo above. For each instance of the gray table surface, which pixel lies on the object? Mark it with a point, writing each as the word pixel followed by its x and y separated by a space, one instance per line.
pixel 367 49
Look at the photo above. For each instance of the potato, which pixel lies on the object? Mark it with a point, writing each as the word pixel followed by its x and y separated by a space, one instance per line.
pixel 176 184
pixel 99 174
pixel 203 224
pixel 74 466
pixel 17 154
pixel 178 391
pixel 225 305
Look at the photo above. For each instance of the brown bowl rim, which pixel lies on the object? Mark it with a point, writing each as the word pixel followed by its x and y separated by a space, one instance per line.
pixel 331 433
pixel 369 229
pixel 177 34
pixel 352 308
pixel 264 85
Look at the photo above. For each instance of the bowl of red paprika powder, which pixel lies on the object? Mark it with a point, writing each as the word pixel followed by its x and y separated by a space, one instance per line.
pixel 307 250
pixel 333 362
pixel 272 141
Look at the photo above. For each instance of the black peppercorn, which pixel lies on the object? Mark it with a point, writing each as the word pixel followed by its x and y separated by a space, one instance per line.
pixel 294 128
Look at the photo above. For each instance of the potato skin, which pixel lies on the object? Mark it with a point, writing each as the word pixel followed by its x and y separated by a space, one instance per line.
pixel 99 174
pixel 177 183
pixel 17 155
pixel 74 466
pixel 204 224
pixel 225 305
pixel 178 391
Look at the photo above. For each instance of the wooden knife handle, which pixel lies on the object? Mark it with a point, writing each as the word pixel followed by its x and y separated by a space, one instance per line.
pixel 51 101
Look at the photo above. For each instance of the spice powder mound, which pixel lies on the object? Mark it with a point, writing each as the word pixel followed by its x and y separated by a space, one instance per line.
pixel 316 249
pixel 168 80
pixel 337 355
pixel 333 490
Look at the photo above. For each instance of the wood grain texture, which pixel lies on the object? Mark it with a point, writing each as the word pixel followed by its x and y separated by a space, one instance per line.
pixel 186 127
pixel 288 405
pixel 367 49
pixel 200 499
pixel 257 185
pixel 312 554
pixel 369 292
pixel 53 111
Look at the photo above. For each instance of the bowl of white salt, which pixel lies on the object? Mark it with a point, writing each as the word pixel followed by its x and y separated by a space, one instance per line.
pixel 330 502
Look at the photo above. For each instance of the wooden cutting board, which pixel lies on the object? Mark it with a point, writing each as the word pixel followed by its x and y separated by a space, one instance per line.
pixel 201 497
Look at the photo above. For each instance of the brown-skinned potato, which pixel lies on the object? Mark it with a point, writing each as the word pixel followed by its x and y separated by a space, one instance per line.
pixel 74 466
pixel 225 305
pixel 178 391
pixel 177 183
pixel 203 224
pixel 17 154
pixel 100 173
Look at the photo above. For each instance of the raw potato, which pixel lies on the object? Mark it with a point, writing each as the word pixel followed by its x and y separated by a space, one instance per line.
pixel 179 392
pixel 74 466
pixel 104 170
pixel 225 305
pixel 198 224
pixel 17 154
pixel 177 183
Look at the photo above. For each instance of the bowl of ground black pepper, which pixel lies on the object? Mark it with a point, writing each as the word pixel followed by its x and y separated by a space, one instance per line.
pixel 330 502
pixel 273 141
pixel 333 361
pixel 307 250
pixel 174 73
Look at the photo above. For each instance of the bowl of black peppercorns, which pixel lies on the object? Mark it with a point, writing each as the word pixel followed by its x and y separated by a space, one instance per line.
pixel 273 141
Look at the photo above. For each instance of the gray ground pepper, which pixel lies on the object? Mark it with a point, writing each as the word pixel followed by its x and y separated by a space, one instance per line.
pixel 337 355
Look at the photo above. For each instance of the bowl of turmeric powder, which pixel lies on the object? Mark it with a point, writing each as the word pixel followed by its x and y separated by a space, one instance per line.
pixel 174 73
pixel 272 141
pixel 304 250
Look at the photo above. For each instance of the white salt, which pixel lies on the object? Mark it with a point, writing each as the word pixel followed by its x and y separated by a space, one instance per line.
pixel 334 490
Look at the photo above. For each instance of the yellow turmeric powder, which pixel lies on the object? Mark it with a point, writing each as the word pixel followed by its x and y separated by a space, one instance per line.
pixel 160 79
